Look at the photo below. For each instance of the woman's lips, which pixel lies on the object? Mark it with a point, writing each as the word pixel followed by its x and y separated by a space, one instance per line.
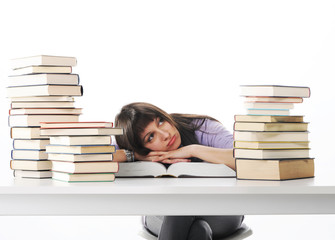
pixel 173 139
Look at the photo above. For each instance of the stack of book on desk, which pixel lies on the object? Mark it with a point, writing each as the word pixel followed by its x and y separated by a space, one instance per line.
pixel 41 88
pixel 270 144
pixel 81 151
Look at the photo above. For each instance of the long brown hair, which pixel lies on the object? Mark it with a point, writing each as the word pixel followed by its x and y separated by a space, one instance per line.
pixel 134 118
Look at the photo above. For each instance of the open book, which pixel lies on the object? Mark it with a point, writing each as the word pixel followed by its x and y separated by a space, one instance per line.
pixel 182 169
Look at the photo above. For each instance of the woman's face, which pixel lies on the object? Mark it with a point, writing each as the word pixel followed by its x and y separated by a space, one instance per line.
pixel 160 135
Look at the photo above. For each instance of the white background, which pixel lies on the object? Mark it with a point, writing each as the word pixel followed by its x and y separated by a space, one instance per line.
pixel 183 56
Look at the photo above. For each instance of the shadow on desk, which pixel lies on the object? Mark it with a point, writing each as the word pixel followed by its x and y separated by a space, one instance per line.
pixel 242 233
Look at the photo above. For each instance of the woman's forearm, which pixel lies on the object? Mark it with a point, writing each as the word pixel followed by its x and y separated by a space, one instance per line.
pixel 214 155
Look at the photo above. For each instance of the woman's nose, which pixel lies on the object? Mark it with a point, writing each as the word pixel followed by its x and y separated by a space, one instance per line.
pixel 164 135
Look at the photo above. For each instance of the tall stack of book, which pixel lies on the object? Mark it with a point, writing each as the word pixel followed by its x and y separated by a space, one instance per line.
pixel 269 143
pixel 41 88
pixel 81 151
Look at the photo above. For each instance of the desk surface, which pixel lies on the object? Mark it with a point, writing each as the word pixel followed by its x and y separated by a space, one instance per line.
pixel 168 196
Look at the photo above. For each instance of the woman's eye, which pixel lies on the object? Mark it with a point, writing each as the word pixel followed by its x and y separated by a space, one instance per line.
pixel 161 121
pixel 151 136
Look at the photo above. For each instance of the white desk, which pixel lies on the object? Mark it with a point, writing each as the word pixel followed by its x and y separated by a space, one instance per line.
pixel 167 196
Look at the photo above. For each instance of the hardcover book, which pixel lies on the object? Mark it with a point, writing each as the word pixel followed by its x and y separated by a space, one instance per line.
pixel 42 69
pixel 30 165
pixel 32 174
pixel 65 157
pixel 81 131
pixel 275 169
pixel 34 120
pixel 271 145
pixel 270 127
pixel 45 90
pixel 269 118
pixel 271 136
pixel 85 167
pixel 88 149
pixel 83 177
pixel 80 140
pixel 45 60
pixel 43 78
pixel 271 153
pixel 15 105
pixel 275 91
pixel 45 111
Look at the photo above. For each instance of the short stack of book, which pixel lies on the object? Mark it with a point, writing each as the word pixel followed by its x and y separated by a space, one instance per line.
pixel 269 143
pixel 81 151
pixel 41 88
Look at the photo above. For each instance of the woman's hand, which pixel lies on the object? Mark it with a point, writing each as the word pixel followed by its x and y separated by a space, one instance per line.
pixel 179 155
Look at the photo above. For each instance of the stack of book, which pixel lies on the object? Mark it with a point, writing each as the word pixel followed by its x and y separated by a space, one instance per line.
pixel 269 143
pixel 81 151
pixel 41 88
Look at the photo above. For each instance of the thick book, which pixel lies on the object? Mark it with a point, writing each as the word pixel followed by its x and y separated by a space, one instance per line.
pixel 42 69
pixel 43 78
pixel 65 157
pixel 274 169
pixel 45 60
pixel 271 145
pixel 26 133
pixel 16 105
pixel 36 144
pixel 182 169
pixel 271 136
pixel 85 167
pixel 269 118
pixel 270 127
pixel 81 131
pixel 32 174
pixel 81 140
pixel 34 120
pixel 88 149
pixel 271 153
pixel 25 154
pixel 43 99
pixel 83 177
pixel 251 105
pixel 45 90
pixel 276 112
pixel 46 111
pixel 48 125
pixel 30 165
pixel 261 99
pixel 275 91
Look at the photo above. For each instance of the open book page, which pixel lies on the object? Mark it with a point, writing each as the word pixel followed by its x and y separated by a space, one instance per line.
pixel 156 169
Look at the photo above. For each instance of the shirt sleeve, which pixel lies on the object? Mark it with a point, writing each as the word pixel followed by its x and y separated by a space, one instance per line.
pixel 214 134
pixel 113 141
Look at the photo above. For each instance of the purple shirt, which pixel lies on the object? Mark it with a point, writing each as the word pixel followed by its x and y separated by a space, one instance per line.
pixel 214 134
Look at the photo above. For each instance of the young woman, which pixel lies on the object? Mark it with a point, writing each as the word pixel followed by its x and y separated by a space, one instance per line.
pixel 151 134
